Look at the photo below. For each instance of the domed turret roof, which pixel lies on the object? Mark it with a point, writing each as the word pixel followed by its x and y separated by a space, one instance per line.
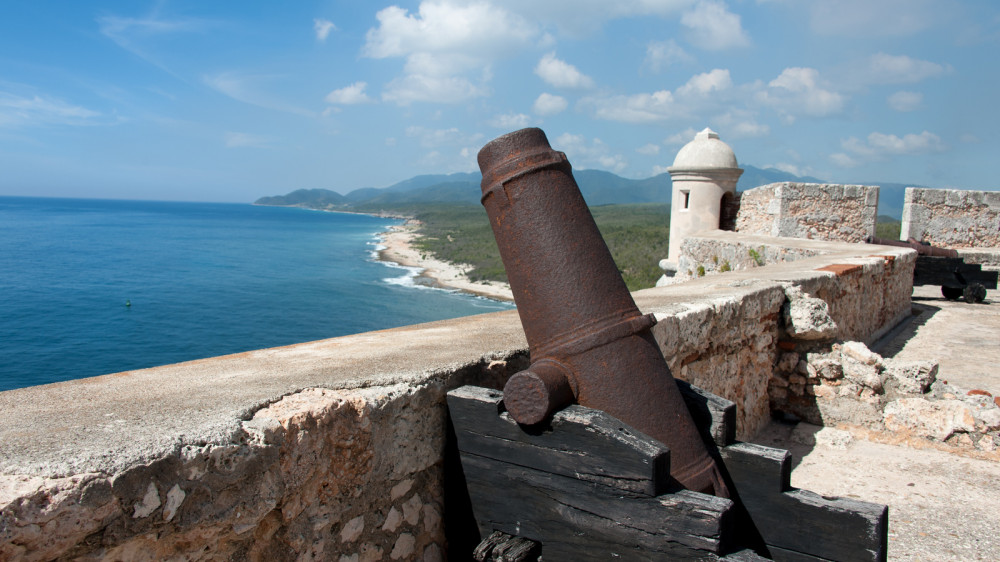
pixel 706 151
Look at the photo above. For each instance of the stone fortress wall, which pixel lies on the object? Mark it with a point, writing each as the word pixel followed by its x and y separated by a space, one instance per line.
pixel 812 211
pixel 968 221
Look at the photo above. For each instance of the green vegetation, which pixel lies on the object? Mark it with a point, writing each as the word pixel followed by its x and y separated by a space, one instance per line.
pixel 888 229
pixel 756 257
pixel 637 237
pixel 635 234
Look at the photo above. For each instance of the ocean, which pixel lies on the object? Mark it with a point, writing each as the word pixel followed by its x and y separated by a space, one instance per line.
pixel 90 287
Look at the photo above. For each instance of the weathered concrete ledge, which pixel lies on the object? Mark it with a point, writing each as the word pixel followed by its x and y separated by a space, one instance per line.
pixel 336 448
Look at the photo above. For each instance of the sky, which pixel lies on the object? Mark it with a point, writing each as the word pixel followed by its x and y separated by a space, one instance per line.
pixel 231 101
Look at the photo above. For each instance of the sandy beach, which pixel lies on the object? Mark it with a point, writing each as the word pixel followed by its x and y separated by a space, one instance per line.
pixel 397 247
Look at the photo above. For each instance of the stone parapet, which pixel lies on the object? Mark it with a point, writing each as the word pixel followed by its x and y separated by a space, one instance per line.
pixel 815 211
pixel 952 218
pixel 724 333
pixel 336 449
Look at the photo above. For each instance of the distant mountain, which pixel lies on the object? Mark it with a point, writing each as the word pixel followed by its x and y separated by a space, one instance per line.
pixel 598 188
pixel 415 184
pixel 755 177
pixel 315 198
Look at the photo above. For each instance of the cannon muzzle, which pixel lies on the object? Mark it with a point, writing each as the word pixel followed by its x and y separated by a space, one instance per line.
pixel 587 339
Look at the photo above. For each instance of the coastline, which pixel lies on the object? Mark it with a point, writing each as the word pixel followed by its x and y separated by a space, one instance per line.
pixel 396 246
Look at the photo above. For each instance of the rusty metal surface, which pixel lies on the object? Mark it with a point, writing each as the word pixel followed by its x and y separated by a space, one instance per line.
pixel 587 339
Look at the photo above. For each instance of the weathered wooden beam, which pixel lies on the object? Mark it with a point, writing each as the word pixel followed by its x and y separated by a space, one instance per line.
pixel 585 487
pixel 580 443
pixel 501 547
pixel 798 524
pixel 579 520
pixel 588 487
pixel 714 415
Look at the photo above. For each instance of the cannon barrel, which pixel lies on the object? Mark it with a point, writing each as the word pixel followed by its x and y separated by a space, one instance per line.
pixel 587 339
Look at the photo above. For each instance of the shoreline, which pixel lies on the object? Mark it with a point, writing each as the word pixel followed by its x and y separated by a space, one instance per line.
pixel 396 246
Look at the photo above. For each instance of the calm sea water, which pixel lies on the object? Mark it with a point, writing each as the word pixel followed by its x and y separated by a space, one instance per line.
pixel 90 287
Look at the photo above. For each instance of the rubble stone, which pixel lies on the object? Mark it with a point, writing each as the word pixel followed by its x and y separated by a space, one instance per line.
pixel 807 318
pixel 353 529
pixel 404 547
pixel 915 377
pixel 939 419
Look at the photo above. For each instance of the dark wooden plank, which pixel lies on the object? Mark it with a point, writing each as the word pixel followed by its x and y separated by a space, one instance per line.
pixel 580 442
pixel 783 555
pixel 714 415
pixel 761 469
pixel 745 555
pixel 579 520
pixel 952 272
pixel 799 521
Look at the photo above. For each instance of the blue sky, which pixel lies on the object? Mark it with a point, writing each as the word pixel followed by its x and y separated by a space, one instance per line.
pixel 230 101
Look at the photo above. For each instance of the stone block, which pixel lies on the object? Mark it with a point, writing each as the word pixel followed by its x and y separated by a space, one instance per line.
pixel 938 419
pixel 913 377
pixel 806 317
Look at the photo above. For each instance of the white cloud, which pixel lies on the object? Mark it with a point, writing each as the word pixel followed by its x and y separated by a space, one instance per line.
pixel 785 167
pixel 246 140
pixel 901 69
pixel 862 18
pixel 442 43
pixel 713 27
pixel 594 154
pixel 577 18
pixel 433 89
pixel 511 121
pixel 250 89
pixel 905 101
pixel 438 138
pixel 748 129
pixel 349 95
pixel 636 108
pixel 649 149
pixel 683 137
pixel 843 160
pixel 700 94
pixel 323 28
pixel 798 91
pixel 134 34
pixel 662 54
pixel 561 74
pixel 17 110
pixel 480 30
pixel 549 104
pixel 907 144
pixel 702 84
pixel 739 124
pixel 879 146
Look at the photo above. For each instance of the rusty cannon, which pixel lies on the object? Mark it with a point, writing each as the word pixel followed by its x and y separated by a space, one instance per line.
pixel 944 267
pixel 593 451
pixel 587 340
